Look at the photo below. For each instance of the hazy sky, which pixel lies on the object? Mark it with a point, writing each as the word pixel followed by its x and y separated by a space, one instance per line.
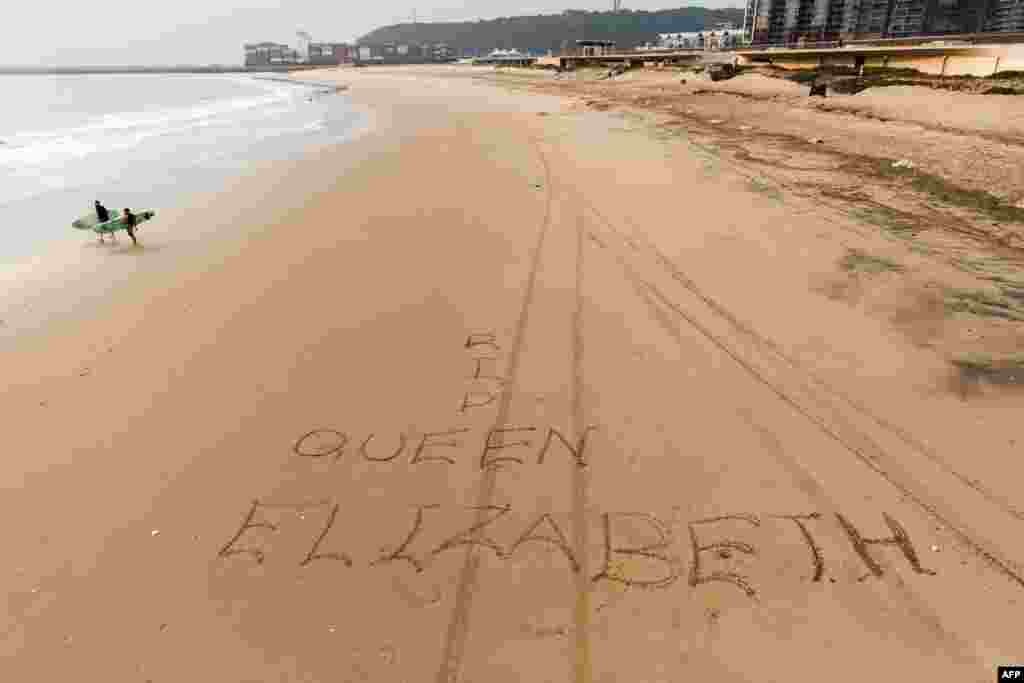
pixel 118 32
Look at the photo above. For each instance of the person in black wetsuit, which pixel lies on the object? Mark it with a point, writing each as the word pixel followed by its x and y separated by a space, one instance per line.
pixel 129 221
pixel 102 215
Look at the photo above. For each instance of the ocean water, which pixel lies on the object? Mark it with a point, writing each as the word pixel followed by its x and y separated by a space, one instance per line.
pixel 145 141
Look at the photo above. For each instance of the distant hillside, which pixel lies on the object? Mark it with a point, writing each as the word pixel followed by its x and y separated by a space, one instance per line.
pixel 627 28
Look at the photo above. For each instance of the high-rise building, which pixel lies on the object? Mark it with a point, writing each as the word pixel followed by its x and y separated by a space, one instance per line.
pixel 1005 15
pixel 794 21
pixel 269 54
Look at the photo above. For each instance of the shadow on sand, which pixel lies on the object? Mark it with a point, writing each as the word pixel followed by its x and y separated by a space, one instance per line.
pixel 123 246
pixel 136 249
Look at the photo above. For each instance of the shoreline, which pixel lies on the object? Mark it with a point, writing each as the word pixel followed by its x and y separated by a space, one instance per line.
pixel 34 288
pixel 265 193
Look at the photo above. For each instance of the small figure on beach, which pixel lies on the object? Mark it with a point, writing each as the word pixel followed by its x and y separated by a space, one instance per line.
pixel 102 215
pixel 129 221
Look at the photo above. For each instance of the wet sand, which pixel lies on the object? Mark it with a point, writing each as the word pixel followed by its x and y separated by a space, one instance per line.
pixel 502 391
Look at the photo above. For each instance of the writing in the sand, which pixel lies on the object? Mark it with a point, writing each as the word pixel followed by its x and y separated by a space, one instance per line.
pixel 636 548
pixel 497 447
pixel 486 386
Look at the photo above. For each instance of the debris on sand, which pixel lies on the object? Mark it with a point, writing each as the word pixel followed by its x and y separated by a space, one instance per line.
pixel 903 163
pixel 719 72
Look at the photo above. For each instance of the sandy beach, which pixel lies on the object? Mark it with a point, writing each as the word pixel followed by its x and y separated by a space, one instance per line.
pixel 506 389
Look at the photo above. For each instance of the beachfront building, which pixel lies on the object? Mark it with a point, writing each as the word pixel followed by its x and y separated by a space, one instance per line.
pixel 726 37
pixel 796 22
pixel 384 52
pixel 403 53
pixel 723 37
pixel 442 52
pixel 1005 15
pixel 270 54
pixel 329 53
pixel 594 48
pixel 506 58
pixel 679 41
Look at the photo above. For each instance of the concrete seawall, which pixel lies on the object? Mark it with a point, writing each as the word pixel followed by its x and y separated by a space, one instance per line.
pixel 956 61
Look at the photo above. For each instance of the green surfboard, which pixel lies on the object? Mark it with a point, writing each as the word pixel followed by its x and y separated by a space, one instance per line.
pixel 91 222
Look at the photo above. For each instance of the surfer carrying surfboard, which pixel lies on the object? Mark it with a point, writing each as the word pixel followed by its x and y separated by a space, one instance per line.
pixel 102 223
pixel 102 215
pixel 129 221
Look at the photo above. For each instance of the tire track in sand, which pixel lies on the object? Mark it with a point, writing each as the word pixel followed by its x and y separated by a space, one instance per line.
pixel 852 439
pixel 771 347
pixel 582 669
pixel 458 626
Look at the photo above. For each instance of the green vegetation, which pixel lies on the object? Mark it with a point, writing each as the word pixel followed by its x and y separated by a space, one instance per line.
pixel 857 261
pixel 982 303
pixel 847 80
pixel 628 28
pixel 1004 272
pixel 708 154
pixel 765 188
pixel 895 223
pixel 922 249
pixel 981 361
pixel 1006 76
pixel 668 133
pixel 983 202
